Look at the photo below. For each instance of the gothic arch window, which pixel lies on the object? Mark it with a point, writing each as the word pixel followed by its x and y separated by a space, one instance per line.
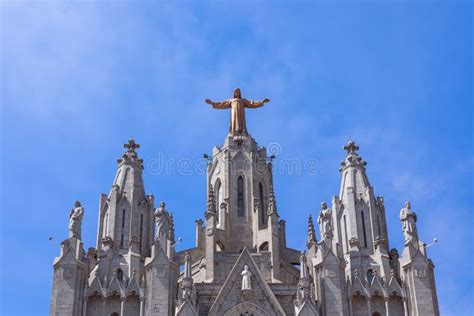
pixel 240 197
pixel 345 233
pixel 370 276
pixel 263 246
pixel 141 230
pixel 376 314
pixel 219 195
pixel 363 229
pixel 120 275
pixel 379 229
pixel 263 204
pixel 105 225
pixel 123 218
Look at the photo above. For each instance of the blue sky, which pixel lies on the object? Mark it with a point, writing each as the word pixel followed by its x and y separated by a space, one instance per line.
pixel 78 78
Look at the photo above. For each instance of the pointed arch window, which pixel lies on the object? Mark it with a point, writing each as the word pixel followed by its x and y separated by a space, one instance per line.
pixel 141 230
pixel 105 225
pixel 240 197
pixel 220 197
pixel 120 275
pixel 370 276
pixel 363 229
pixel 263 204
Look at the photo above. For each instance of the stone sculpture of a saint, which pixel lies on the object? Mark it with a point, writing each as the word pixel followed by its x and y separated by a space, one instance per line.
pixel 246 279
pixel 408 220
pixel 162 226
pixel 75 220
pixel 325 221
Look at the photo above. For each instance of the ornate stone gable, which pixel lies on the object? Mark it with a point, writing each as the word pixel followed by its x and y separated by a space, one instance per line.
pixel 232 298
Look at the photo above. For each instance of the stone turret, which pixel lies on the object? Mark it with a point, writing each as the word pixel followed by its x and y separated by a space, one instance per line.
pixel 124 238
pixel 71 269
pixel 417 270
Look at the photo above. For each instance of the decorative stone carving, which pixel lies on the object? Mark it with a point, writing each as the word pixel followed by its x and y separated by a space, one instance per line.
pixel 420 273
pixel 353 241
pixel 75 220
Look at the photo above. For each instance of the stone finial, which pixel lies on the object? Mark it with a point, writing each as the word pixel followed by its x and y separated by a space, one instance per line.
pixel 353 157
pixel 351 147
pixel 131 145
pixel 311 238
pixel 171 227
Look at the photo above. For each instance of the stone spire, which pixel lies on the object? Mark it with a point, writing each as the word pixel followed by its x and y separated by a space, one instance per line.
pixel 125 216
pixel 211 203
pixel 130 166
pixel 187 292
pixel 303 292
pixel 360 225
pixel 272 206
pixel 311 239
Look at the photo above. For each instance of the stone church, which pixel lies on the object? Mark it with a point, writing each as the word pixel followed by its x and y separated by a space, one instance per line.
pixel 241 264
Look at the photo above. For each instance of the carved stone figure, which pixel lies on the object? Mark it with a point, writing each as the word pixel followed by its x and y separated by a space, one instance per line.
pixel 75 220
pixel 325 221
pixel 162 226
pixel 408 220
pixel 246 282
pixel 237 112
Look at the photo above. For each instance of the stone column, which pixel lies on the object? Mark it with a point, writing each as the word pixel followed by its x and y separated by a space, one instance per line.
pixel 104 305
pixel 122 306
pixel 405 306
pixel 369 307
pixel 350 306
pixel 387 311
pixel 84 307
pixel 142 306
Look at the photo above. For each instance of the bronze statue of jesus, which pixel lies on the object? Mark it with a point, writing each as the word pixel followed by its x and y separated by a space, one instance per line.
pixel 237 107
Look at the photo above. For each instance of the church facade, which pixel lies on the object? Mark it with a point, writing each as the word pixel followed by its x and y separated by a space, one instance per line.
pixel 241 264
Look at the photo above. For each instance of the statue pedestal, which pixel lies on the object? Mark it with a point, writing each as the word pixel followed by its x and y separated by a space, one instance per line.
pixel 246 294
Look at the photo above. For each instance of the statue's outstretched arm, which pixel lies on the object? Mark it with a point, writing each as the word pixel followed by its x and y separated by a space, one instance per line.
pixel 255 104
pixel 219 105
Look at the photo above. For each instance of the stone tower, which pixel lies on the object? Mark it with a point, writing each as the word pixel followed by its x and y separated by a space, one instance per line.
pixel 241 264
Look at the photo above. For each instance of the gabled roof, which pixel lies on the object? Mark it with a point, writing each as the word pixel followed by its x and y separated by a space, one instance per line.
pixel 186 309
pixel 358 288
pixel 258 284
pixel 134 287
pixel 116 287
pixel 306 309
pixel 96 286
pixel 394 287
pixel 376 287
